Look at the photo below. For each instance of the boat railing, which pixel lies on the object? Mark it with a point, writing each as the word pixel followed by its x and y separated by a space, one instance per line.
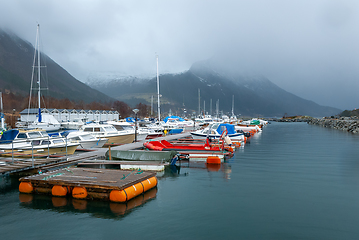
pixel 19 150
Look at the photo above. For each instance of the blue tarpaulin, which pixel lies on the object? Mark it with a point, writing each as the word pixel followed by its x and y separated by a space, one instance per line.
pixel 173 117
pixel 9 135
pixel 222 127
pixel 130 119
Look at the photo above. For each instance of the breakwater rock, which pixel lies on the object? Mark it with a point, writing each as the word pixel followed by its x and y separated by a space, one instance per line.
pixel 349 124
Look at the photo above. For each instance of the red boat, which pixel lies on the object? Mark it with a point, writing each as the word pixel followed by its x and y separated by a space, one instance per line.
pixel 164 145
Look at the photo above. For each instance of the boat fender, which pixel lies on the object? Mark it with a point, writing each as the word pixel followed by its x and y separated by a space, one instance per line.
pixel 213 160
pixel 228 140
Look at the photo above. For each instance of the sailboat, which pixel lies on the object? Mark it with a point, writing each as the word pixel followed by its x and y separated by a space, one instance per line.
pixel 44 121
pixel 2 116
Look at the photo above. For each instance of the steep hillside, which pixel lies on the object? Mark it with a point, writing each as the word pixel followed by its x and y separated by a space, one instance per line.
pixel 254 95
pixel 16 59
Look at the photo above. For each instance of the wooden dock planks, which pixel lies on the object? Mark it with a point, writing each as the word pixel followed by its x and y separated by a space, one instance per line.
pixel 23 165
pixel 108 179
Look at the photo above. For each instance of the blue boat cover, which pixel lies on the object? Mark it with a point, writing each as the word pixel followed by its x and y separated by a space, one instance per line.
pixel 222 127
pixel 9 135
pixel 173 117
pixel 131 119
pixel 175 131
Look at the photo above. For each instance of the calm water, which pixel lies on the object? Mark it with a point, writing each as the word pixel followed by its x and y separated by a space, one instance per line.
pixel 293 181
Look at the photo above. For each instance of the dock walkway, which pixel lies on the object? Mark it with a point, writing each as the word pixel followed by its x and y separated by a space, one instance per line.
pixel 19 165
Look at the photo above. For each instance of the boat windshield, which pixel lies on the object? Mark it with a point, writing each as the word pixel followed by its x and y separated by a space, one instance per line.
pixel 130 128
pixel 57 141
pixel 214 126
pixel 109 129
pixel 34 134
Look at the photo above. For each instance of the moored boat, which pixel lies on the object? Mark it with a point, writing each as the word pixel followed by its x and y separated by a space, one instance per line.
pixel 86 140
pixel 216 130
pixel 34 141
pixel 110 132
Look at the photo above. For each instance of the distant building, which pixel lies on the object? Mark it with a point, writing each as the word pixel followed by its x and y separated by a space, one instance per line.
pixel 64 115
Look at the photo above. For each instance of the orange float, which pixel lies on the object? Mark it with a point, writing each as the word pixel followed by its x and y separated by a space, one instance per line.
pixel 149 183
pixel 118 196
pixel 26 187
pixel 133 191
pixel 59 191
pixel 213 160
pixel 79 192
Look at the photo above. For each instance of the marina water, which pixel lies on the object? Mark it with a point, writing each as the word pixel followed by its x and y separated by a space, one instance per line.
pixel 292 181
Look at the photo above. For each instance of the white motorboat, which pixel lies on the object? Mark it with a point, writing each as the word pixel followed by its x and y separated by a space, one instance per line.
pixel 85 139
pixel 110 132
pixel 34 141
pixel 130 128
pixel 76 123
pixel 215 131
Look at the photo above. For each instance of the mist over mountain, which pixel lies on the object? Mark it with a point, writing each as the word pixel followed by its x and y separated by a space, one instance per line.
pixel 16 60
pixel 253 95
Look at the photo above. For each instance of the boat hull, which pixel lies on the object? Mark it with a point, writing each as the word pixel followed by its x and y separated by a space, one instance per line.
pixel 93 144
pixel 121 139
pixel 43 151
pixel 233 137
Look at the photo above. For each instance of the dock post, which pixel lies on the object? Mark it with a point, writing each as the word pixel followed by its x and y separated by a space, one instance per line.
pixel 66 148
pixel 48 146
pixel 12 151
pixel 32 153
pixel 109 152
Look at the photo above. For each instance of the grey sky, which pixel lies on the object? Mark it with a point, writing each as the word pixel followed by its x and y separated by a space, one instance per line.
pixel 309 48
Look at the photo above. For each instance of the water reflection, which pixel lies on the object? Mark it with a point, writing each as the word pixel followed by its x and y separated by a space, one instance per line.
pixel 100 209
pixel 9 184
pixel 224 167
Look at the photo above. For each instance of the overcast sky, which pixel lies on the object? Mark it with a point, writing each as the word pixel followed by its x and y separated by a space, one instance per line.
pixel 307 47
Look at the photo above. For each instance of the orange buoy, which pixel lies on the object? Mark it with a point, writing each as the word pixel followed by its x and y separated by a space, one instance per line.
pixel 59 191
pixel 127 193
pixel 149 183
pixel 79 192
pixel 228 148
pixel 26 187
pixel 134 191
pixel 118 196
pixel 213 160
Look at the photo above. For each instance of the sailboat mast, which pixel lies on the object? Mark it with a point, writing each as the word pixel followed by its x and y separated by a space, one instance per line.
pixel 2 113
pixel 233 105
pixel 38 64
pixel 158 93
pixel 199 102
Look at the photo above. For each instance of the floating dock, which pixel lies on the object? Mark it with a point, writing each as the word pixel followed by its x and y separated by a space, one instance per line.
pixel 87 183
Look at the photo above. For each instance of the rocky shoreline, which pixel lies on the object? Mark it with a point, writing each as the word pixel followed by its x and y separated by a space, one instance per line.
pixel 349 124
